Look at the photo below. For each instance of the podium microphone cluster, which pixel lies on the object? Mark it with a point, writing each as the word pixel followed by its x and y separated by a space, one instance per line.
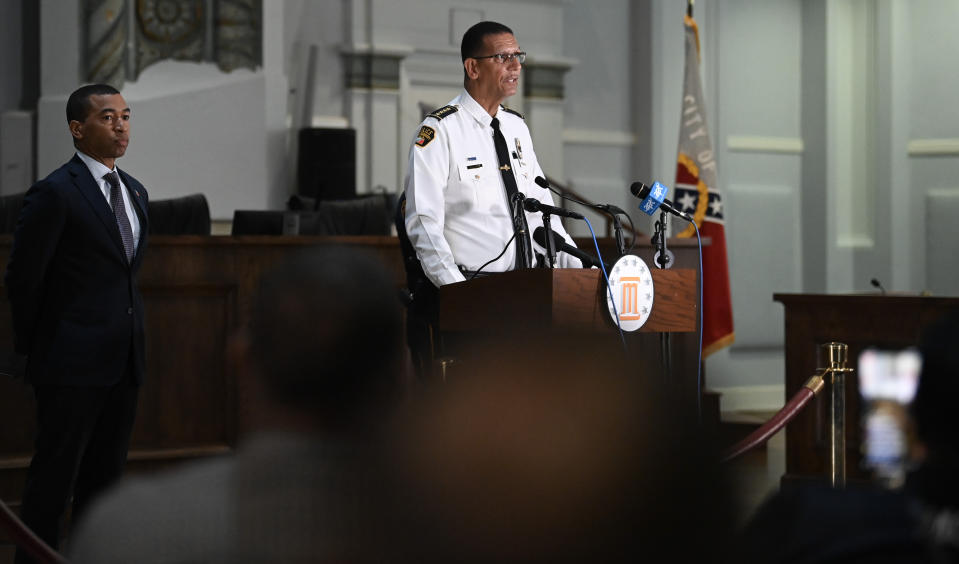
pixel 534 205
pixel 612 210
pixel 608 208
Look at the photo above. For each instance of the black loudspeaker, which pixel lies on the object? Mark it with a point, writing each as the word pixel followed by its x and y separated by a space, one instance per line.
pixel 326 166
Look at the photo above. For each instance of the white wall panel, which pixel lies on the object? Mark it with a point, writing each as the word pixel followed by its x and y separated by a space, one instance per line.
pixel 185 140
pixel 756 134
pixel 942 209
pixel 764 244
pixel 932 25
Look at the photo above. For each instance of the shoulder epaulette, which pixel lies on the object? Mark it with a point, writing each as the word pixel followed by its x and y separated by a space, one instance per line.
pixel 512 111
pixel 443 112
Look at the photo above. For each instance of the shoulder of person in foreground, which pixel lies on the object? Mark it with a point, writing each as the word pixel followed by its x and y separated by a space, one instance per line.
pixel 179 516
pixel 816 523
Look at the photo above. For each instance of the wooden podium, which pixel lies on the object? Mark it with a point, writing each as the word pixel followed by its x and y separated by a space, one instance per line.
pixel 572 302
pixel 860 321
pixel 562 299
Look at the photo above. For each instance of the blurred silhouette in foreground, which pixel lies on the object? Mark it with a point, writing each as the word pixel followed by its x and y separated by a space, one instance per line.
pixel 558 453
pixel 317 373
pixel 868 523
pixel 934 484
pixel 545 450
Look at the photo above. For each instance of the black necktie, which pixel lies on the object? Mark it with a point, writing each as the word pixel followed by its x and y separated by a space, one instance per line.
pixel 120 211
pixel 524 250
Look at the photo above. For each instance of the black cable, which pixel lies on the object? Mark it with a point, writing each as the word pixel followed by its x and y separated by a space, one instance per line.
pixel 514 208
pixel 494 259
pixel 632 229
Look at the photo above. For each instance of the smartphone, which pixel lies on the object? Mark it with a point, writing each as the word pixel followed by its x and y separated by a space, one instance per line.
pixel 887 383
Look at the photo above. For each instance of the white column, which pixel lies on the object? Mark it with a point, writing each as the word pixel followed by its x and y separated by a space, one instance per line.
pixel 543 107
pixel 373 109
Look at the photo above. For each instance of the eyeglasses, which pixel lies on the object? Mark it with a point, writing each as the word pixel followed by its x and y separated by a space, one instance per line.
pixel 506 58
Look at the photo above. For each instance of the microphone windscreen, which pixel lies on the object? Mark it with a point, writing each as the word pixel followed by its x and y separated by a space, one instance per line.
pixel 539 235
pixel 639 190
pixel 541 182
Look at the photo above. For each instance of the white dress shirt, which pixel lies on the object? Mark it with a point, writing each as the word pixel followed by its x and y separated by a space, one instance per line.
pixel 99 170
pixel 456 208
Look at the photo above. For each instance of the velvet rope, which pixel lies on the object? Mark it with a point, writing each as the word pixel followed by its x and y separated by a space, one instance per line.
pixel 26 539
pixel 771 427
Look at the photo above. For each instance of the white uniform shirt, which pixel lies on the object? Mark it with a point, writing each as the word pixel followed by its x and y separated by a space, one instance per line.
pixel 456 207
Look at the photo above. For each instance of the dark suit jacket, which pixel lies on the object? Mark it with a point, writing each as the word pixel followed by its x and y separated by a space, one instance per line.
pixel 77 313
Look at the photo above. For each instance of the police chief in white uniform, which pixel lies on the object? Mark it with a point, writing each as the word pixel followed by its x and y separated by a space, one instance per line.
pixel 457 210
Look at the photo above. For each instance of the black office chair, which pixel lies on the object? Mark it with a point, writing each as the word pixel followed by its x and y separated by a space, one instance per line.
pixel 366 215
pixel 10 211
pixel 422 301
pixel 187 215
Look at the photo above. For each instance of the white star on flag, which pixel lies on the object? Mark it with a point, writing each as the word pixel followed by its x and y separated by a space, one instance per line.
pixel 716 207
pixel 688 202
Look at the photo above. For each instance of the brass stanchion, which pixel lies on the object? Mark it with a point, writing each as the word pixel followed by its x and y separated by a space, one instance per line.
pixel 837 355
pixel 442 365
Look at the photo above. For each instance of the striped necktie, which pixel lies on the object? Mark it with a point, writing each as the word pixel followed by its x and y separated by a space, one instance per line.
pixel 120 211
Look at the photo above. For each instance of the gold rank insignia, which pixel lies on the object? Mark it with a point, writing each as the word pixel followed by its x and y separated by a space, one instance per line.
pixel 512 111
pixel 425 135
pixel 443 112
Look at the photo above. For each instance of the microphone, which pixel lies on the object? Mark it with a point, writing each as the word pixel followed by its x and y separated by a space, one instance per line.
pixel 612 210
pixel 539 235
pixel 653 198
pixel 534 205
pixel 875 283
pixel 608 208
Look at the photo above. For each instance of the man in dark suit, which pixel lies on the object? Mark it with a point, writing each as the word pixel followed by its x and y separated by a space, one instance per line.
pixel 77 313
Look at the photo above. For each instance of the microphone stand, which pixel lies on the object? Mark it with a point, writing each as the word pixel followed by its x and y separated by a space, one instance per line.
pixel 663 259
pixel 524 250
pixel 618 230
pixel 550 250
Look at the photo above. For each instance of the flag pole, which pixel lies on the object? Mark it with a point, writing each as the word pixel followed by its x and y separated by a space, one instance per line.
pixel 689 7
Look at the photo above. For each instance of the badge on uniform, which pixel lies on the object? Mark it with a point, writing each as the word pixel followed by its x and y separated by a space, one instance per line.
pixel 425 135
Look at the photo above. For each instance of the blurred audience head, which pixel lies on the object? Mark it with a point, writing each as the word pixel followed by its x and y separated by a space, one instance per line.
pixel 933 408
pixel 933 481
pixel 558 452
pixel 324 335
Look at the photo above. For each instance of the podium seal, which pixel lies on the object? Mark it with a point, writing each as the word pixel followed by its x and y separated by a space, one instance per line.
pixel 631 286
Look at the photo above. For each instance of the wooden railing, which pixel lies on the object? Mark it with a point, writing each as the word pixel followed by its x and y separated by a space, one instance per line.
pixel 196 291
pixel 26 539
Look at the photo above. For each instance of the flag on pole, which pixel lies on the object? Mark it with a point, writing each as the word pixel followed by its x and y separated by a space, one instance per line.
pixel 697 193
